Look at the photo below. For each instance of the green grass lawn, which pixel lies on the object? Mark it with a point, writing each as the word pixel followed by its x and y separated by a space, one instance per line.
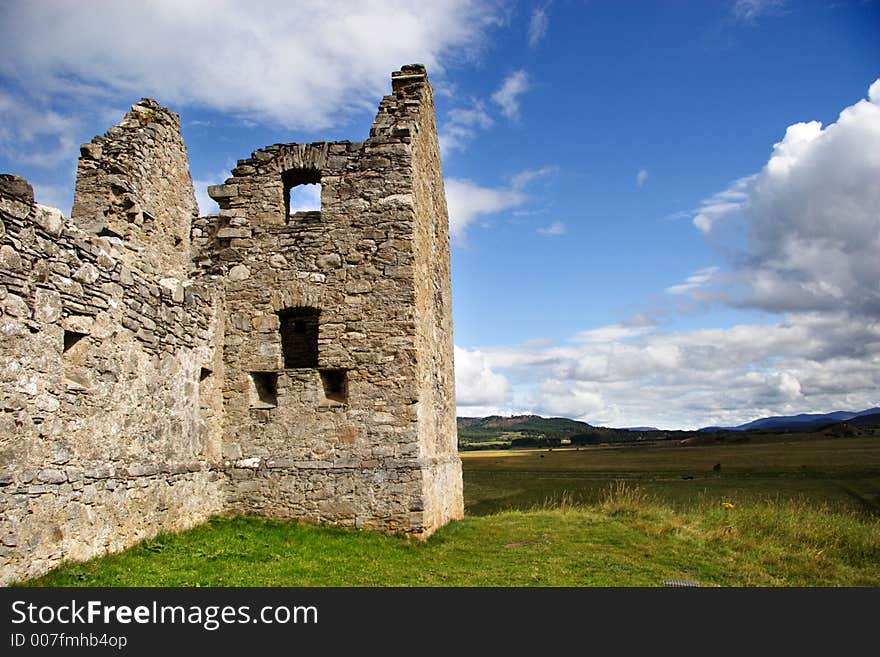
pixel 775 515
pixel 626 540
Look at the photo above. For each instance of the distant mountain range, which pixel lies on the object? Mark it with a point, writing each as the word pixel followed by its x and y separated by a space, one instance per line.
pixel 496 425
pixel 806 421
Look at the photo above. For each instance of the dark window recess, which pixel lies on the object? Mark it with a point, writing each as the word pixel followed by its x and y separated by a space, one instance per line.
pixel 299 337
pixel 265 389
pixel 74 356
pixel 335 385
pixel 106 232
pixel 205 388
pixel 294 178
pixel 71 338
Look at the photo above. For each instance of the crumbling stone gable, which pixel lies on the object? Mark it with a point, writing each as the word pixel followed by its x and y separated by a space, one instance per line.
pixel 134 182
pixel 303 370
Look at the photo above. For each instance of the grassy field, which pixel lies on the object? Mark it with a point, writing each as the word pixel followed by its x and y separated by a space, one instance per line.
pixel 773 515
pixel 840 473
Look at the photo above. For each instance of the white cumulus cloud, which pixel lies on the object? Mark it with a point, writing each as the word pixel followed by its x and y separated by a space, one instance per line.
pixel 613 333
pixel 507 97
pixel 307 65
pixel 35 136
pixel 874 92
pixel 631 375
pixel 695 281
pixel 206 204
pixel 802 236
pixel 475 382
pixel 461 126
pixel 720 205
pixel 810 218
pixel 467 200
pixel 305 197
pixel 577 399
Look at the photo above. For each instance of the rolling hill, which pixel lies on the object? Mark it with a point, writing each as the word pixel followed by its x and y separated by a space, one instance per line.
pixel 802 421
pixel 534 430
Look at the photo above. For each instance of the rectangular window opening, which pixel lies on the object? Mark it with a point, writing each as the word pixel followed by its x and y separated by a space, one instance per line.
pixel 335 384
pixel 305 198
pixel 299 337
pixel 302 191
pixel 74 360
pixel 71 338
pixel 264 389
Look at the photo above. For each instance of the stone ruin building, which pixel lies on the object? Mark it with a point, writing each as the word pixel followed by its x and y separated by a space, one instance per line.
pixel 158 367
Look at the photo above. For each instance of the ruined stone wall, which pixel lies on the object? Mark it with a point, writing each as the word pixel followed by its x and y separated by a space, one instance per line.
pixel 134 182
pixel 370 457
pixel 107 434
pixel 304 370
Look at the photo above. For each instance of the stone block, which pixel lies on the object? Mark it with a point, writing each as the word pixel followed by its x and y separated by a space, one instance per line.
pixel 222 192
pixel 329 261
pixel 47 306
pixel 239 273
pixel 49 219
pixel 142 470
pixel 9 258
pixel 229 233
pixel 87 273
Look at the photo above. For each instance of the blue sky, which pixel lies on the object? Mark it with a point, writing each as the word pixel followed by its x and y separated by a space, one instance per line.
pixel 664 213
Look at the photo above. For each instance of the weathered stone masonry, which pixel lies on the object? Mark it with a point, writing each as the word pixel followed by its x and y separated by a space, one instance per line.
pixel 293 365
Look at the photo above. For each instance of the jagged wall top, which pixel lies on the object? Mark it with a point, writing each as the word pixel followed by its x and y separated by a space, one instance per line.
pixel 134 182
pixel 16 187
pixel 254 195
